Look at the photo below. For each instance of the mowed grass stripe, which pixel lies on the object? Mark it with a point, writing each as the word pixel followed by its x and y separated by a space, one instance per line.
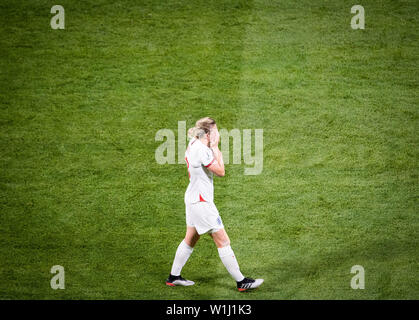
pixel 321 103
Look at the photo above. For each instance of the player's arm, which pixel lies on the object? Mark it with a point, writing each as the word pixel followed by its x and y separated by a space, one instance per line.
pixel 217 166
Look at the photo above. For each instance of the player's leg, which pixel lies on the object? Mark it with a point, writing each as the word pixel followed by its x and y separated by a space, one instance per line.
pixel 182 255
pixel 227 256
pixel 222 241
pixel 220 238
pixel 191 237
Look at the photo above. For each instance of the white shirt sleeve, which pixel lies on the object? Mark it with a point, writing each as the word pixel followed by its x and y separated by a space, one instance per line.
pixel 207 157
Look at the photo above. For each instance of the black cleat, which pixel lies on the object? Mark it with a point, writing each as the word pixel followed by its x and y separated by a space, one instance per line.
pixel 248 283
pixel 173 281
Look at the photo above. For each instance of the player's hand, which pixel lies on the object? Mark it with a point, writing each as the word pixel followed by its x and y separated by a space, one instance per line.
pixel 214 138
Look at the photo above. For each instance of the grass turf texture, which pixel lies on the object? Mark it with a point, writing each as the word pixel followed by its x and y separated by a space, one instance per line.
pixel 80 107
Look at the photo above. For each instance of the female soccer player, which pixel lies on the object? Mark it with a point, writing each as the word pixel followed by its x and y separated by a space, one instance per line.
pixel 204 159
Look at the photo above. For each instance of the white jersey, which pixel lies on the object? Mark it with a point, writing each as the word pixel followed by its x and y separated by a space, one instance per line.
pixel 198 158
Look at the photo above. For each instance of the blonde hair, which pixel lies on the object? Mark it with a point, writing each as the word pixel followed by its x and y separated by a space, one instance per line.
pixel 202 127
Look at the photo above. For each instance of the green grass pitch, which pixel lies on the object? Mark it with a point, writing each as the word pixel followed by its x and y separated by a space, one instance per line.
pixel 80 107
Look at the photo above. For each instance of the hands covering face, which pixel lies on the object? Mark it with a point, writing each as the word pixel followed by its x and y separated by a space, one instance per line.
pixel 214 137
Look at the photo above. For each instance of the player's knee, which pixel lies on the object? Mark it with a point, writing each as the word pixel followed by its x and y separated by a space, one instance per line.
pixel 224 242
pixel 220 238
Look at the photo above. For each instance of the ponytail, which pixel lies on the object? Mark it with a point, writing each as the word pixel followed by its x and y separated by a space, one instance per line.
pixel 196 132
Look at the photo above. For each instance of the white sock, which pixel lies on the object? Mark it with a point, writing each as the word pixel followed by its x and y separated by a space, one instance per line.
pixel 183 253
pixel 230 262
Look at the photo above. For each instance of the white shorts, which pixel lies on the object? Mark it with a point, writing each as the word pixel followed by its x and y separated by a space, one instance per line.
pixel 204 217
